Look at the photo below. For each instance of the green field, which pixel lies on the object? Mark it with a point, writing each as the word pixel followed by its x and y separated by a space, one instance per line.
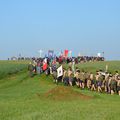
pixel 38 98
pixel 11 67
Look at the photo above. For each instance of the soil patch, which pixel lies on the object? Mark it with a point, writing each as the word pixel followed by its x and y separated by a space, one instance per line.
pixel 64 93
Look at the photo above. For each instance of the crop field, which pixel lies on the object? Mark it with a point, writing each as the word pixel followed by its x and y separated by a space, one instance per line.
pixel 38 98
pixel 11 67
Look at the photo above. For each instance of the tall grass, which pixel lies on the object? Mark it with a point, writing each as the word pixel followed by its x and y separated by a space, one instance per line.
pixel 11 67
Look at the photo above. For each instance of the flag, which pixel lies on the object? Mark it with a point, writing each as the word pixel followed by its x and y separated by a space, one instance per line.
pixel 45 60
pixel 45 66
pixel 66 53
pixel 60 71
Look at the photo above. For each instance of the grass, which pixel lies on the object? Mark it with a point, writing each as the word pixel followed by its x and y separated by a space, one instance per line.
pixel 19 99
pixel 93 66
pixel 11 67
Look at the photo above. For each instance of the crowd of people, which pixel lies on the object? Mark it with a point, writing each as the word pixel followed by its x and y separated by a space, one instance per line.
pixel 101 81
pixel 90 58
pixel 79 59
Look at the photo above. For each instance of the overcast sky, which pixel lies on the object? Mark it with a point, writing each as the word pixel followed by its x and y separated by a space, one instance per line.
pixel 85 26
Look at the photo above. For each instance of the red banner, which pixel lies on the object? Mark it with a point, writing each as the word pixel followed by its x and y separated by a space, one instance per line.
pixel 66 53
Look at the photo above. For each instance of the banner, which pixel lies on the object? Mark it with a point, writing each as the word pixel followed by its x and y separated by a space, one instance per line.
pixel 70 54
pixel 60 71
pixel 66 53
pixel 51 53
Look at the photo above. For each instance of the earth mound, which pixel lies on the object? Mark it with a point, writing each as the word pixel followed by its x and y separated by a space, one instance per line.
pixel 65 93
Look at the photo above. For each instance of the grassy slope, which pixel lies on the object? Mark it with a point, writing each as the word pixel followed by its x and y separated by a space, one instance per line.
pixel 11 67
pixel 19 101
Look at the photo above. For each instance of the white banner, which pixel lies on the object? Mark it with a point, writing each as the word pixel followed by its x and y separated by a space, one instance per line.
pixel 60 71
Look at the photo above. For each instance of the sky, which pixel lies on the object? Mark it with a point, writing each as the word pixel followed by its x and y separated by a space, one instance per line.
pixel 83 26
